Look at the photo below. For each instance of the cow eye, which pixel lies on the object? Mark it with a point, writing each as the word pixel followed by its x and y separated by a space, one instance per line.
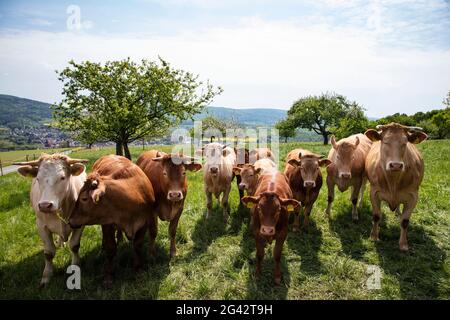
pixel 84 199
pixel 184 173
pixel 164 173
pixel 63 178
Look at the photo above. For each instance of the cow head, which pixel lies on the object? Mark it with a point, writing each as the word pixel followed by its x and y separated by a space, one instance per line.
pixel 309 165
pixel 174 167
pixel 345 152
pixel 87 208
pixel 394 138
pixel 214 153
pixel 249 175
pixel 52 173
pixel 268 206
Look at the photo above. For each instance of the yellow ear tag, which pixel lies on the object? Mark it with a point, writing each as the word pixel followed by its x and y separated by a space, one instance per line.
pixel 290 208
pixel 250 205
pixel 97 198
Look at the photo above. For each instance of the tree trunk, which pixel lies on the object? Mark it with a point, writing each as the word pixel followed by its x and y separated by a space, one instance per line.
pixel 119 149
pixel 285 139
pixel 127 151
pixel 325 138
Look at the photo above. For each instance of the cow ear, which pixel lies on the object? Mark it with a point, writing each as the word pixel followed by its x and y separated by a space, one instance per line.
pixel 373 135
pixel 258 171
pixel 76 169
pixel 250 201
pixel 225 152
pixel 193 166
pixel 28 171
pixel 289 204
pixel 333 142
pixel 324 162
pixel 237 171
pixel 98 192
pixel 294 162
pixel 417 137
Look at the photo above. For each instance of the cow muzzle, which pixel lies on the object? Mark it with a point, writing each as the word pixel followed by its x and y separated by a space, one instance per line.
pixel 345 175
pixel 47 206
pixel 309 184
pixel 214 170
pixel 267 231
pixel 175 195
pixel 242 186
pixel 395 166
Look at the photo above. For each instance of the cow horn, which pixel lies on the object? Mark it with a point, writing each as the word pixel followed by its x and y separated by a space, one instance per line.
pixel 33 163
pixel 380 127
pixel 225 145
pixel 415 129
pixel 73 161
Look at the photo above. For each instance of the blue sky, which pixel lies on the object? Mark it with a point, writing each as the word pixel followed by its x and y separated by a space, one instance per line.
pixel 387 55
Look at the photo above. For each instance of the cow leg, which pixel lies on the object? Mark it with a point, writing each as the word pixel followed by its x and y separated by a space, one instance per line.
pixel 296 225
pixel 376 214
pixel 74 244
pixel 138 242
pixel 260 244
pixel 355 194
pixel 153 232
pixel 330 185
pixel 307 213
pixel 49 253
pixel 277 257
pixel 208 204
pixel 173 232
pixel 110 246
pixel 361 194
pixel 225 204
pixel 404 221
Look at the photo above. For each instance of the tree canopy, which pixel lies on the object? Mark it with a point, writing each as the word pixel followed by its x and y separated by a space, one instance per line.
pixel 122 101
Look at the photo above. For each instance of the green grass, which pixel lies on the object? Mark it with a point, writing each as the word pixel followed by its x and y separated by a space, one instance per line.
pixel 8 157
pixel 218 262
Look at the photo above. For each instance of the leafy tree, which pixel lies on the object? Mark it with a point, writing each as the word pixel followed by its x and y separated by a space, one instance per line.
pixel 442 122
pixel 323 114
pixel 285 129
pixel 122 101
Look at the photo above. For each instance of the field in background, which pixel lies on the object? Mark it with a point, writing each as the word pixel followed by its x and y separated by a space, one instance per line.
pixel 217 261
pixel 8 157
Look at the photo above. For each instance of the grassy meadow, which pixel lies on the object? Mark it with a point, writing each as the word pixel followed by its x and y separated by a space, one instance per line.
pixel 217 261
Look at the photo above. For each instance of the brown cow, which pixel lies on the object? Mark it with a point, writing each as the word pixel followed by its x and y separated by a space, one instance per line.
pixel 248 174
pixel 347 169
pixel 123 196
pixel 167 173
pixel 305 179
pixel 260 153
pixel 270 207
pixel 395 170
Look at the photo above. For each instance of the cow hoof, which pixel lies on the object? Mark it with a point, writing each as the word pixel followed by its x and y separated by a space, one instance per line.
pixel 107 283
pixel 374 238
pixel 404 248
pixel 355 219
pixel 277 280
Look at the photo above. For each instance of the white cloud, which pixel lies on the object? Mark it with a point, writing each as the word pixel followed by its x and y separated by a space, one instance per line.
pixel 41 22
pixel 258 63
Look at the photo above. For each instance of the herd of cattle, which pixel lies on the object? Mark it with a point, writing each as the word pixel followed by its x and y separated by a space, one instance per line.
pixel 125 197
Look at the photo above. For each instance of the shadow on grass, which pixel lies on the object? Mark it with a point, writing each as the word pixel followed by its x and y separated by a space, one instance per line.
pixel 21 280
pixel 306 244
pixel 421 270
pixel 351 233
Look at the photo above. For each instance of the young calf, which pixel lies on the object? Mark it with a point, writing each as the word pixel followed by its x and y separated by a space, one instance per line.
pixel 219 164
pixel 167 173
pixel 395 170
pixel 347 168
pixel 123 197
pixel 249 173
pixel 57 180
pixel 305 179
pixel 270 207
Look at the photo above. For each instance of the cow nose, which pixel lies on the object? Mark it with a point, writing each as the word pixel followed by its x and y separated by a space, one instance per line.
pixel 46 206
pixel 175 195
pixel 241 186
pixel 214 169
pixel 309 184
pixel 267 231
pixel 346 175
pixel 395 166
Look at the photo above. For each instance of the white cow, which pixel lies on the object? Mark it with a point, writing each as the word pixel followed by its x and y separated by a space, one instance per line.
pixel 57 180
pixel 220 160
